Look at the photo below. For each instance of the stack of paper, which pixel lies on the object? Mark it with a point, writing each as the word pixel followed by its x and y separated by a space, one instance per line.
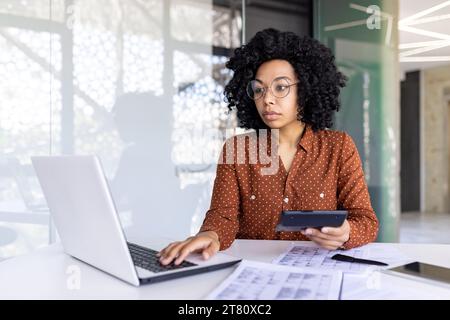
pixel 265 281
pixel 307 272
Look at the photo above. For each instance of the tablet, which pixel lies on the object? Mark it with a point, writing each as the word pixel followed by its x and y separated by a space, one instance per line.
pixel 423 272
pixel 300 220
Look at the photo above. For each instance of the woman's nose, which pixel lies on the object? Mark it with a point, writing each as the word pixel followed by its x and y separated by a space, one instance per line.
pixel 268 97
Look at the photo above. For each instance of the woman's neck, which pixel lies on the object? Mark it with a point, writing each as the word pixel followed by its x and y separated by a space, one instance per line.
pixel 290 135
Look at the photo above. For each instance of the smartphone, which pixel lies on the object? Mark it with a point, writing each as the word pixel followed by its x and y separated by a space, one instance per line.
pixel 423 272
pixel 300 220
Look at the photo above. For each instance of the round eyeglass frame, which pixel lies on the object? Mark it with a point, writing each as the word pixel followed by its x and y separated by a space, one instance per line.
pixel 249 88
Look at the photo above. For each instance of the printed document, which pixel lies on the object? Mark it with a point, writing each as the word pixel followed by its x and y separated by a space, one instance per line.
pixel 311 255
pixel 264 281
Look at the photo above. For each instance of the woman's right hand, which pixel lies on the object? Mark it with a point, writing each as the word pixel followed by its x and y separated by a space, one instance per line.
pixel 205 242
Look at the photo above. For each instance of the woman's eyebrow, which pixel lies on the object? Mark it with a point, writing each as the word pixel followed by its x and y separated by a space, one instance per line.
pixel 282 77
pixel 277 78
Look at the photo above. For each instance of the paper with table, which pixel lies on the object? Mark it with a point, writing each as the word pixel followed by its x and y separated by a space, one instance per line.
pixel 306 271
pixel 265 281
pixel 360 281
pixel 310 255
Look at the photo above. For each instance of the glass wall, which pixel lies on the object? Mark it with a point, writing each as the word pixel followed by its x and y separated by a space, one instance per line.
pixel 364 38
pixel 137 83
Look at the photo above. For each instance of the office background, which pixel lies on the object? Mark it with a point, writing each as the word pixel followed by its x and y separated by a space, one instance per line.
pixel 139 83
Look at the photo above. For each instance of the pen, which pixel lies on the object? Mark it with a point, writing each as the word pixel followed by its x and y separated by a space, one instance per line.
pixel 341 257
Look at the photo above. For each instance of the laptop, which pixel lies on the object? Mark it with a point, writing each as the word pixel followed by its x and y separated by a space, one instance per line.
pixel 88 224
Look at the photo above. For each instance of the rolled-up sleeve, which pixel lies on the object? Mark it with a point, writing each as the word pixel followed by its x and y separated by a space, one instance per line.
pixel 223 215
pixel 353 196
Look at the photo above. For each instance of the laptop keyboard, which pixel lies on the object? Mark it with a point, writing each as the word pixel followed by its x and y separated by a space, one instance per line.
pixel 146 258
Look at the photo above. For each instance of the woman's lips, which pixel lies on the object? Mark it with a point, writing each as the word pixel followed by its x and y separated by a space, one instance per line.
pixel 271 116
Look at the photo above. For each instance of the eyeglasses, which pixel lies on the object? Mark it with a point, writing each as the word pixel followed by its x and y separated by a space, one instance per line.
pixel 279 87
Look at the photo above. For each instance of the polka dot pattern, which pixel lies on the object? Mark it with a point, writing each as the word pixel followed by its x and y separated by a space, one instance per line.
pixel 326 174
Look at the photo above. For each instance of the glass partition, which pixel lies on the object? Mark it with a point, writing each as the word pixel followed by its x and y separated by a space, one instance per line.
pixel 364 38
pixel 137 83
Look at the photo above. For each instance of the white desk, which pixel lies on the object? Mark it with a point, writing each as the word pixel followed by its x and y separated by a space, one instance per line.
pixel 42 275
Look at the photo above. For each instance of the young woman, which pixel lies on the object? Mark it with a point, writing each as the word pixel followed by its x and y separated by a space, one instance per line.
pixel 290 83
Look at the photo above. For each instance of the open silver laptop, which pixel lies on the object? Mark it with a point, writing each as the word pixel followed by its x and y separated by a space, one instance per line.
pixel 88 224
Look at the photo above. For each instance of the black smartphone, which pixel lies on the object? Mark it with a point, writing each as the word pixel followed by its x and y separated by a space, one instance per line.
pixel 423 272
pixel 300 220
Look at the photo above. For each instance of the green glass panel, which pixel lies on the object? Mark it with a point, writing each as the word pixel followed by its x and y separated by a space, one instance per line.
pixel 363 35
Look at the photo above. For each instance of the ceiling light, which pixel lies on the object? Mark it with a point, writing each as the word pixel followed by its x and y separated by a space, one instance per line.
pixel 422 50
pixel 421 32
pixel 424 13
pixel 422 44
pixel 425 59
pixel 428 20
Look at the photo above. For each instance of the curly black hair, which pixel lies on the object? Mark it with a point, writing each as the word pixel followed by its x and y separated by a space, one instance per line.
pixel 314 64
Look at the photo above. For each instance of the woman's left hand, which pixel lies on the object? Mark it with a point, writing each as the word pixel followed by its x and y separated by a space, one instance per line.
pixel 329 238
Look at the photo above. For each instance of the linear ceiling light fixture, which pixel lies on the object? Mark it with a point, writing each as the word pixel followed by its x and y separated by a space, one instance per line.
pixel 442 40
pixel 423 13
pixel 425 59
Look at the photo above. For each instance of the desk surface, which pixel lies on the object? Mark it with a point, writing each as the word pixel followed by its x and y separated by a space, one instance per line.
pixel 45 273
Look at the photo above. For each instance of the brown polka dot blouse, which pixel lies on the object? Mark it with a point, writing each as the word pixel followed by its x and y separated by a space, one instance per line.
pixel 326 174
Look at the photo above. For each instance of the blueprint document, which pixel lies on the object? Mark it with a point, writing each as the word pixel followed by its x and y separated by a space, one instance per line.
pixel 311 255
pixel 265 281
